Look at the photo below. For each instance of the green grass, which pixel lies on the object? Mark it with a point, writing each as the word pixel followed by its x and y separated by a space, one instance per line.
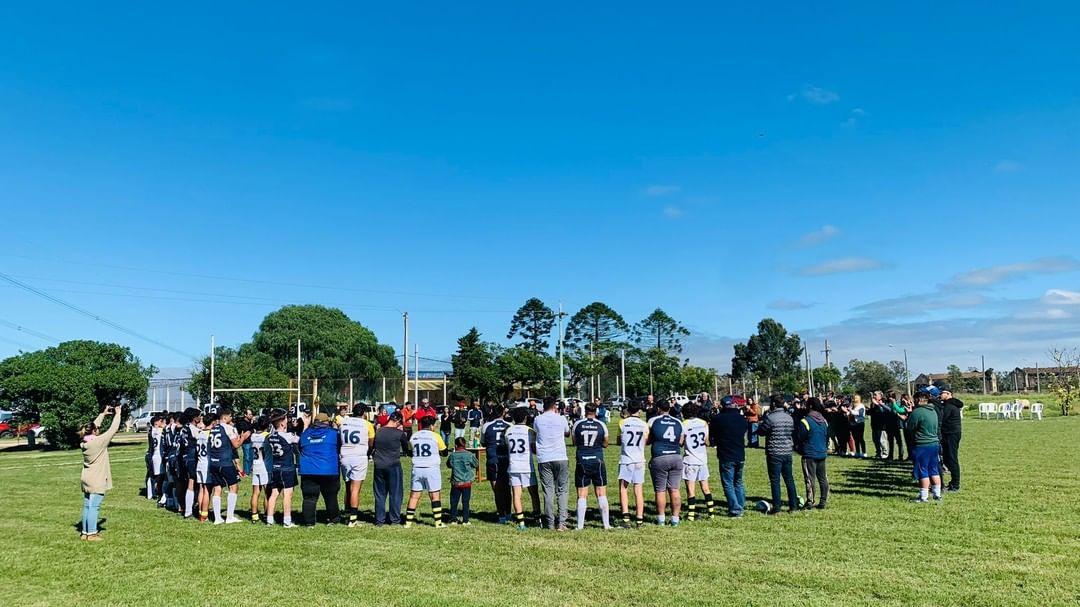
pixel 1009 538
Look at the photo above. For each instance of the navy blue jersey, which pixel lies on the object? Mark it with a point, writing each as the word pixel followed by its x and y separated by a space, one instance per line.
pixel 171 437
pixel 589 435
pixel 282 446
pixel 491 437
pixel 220 450
pixel 189 443
pixel 664 432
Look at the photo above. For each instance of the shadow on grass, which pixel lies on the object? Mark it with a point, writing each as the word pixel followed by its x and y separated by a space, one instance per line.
pixel 880 478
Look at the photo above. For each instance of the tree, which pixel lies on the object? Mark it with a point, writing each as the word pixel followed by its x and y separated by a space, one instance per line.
pixel 475 373
pixel 68 385
pixel 593 325
pixel 827 377
pixel 533 322
pixel 663 369
pixel 660 331
pixel 333 345
pixel 771 354
pixel 525 367
pixel 956 376
pixel 245 367
pixel 695 380
pixel 864 377
pixel 1065 384
pixel 899 372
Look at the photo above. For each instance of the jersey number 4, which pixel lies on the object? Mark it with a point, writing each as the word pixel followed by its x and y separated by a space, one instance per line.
pixel 669 434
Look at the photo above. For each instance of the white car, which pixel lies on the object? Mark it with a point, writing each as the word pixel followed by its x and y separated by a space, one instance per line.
pixel 142 423
pixel 617 403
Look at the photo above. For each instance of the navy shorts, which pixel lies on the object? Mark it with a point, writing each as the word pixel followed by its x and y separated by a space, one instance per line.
pixel 223 477
pixel 927 463
pixel 192 467
pixel 282 479
pixel 590 473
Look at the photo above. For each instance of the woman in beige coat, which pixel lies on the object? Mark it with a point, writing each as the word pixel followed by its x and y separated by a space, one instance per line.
pixel 96 474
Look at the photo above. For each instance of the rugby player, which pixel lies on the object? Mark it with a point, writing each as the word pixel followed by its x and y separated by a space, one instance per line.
pixel 590 437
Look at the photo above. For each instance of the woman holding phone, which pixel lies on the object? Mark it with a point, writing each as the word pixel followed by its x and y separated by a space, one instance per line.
pixel 96 474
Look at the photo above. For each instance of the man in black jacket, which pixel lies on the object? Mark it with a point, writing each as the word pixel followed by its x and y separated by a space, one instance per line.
pixel 726 431
pixel 949 428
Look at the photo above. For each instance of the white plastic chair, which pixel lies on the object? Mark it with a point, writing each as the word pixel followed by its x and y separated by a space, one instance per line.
pixel 986 409
pixel 1036 411
pixel 1018 409
pixel 1004 410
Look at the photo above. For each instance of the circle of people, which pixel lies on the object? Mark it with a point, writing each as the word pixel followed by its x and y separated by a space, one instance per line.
pixel 193 456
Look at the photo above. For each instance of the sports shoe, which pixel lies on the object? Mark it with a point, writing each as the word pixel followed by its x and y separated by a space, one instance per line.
pixel 219 521
pixel 354 524
pixel 674 524
pixel 952 489
pixel 232 520
pixel 289 525
pixel 920 500
pixel 625 525
pixel 94 537
pixel 408 524
pixel 521 527
pixel 562 528
pixel 938 497
pixel 466 524
pixel 503 520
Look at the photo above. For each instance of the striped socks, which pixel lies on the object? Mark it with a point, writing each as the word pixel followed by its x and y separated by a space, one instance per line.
pixel 710 505
pixel 410 517
pixel 691 507
pixel 436 512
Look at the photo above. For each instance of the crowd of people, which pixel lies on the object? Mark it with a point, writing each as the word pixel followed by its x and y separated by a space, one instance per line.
pixel 196 458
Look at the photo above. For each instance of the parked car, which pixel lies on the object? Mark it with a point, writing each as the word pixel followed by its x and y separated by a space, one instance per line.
pixel 142 423
pixel 617 403
pixel 7 430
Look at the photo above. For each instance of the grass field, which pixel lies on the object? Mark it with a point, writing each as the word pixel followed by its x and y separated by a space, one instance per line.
pixel 1010 537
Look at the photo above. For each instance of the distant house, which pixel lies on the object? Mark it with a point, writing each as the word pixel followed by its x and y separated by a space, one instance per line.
pixel 1030 379
pixel 971 378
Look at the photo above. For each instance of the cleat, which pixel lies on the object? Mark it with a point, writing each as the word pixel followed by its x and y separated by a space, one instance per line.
pixel 232 520
pixel 219 522
pixel 289 525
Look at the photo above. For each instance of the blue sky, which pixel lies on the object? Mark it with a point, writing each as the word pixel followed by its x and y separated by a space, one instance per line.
pixel 870 175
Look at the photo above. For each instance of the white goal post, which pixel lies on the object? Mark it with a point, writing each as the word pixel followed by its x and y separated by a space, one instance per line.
pixel 214 390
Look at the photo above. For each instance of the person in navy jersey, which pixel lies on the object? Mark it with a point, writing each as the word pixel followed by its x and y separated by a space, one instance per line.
pixel 221 451
pixel 666 466
pixel 282 468
pixel 590 437
pixel 319 446
pixel 498 460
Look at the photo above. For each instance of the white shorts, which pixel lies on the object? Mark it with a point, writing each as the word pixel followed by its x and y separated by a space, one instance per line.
pixel 695 472
pixel 426 479
pixel 522 479
pixel 157 465
pixel 355 469
pixel 202 476
pixel 632 473
pixel 259 478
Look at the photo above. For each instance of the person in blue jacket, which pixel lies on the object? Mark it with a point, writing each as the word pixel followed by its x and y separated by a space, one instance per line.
pixel 812 442
pixel 319 446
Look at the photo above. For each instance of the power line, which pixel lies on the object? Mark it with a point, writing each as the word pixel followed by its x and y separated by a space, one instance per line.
pixel 28 331
pixel 18 344
pixel 93 316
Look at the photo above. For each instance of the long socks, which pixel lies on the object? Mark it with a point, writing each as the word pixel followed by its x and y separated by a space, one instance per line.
pixel 710 505
pixel 691 508
pixel 215 501
pixel 581 509
pixel 189 500
pixel 436 512
pixel 605 511
pixel 231 505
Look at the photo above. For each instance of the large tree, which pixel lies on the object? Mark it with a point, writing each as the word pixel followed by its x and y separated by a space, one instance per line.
pixel 475 373
pixel 533 322
pixel 661 331
pixel 770 355
pixel 594 325
pixel 519 366
pixel 827 377
pixel 864 377
pixel 68 385
pixel 333 345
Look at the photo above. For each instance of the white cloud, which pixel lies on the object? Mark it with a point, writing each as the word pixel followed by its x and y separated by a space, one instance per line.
pixel 814 94
pixel 672 212
pixel 1008 166
pixel 842 266
pixel 1061 297
pixel 853 119
pixel 660 189
pixel 985 277
pixel 789 304
pixel 827 232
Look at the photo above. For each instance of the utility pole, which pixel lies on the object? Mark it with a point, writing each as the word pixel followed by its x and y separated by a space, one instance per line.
pixel 827 351
pixel 562 381
pixel 405 362
pixel 416 372
pixel 907 373
pixel 622 370
pixel 983 357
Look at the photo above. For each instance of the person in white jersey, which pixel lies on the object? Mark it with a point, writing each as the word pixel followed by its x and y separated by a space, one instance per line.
pixel 633 433
pixel 357 436
pixel 427 449
pixel 260 476
pixel 696 460
pixel 520 442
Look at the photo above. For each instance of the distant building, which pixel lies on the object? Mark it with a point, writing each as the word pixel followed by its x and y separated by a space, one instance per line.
pixel 1031 379
pixel 971 378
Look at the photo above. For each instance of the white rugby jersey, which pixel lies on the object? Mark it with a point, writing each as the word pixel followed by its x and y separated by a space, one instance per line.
pixel 633 432
pixel 356 435
pixel 519 440
pixel 426 446
pixel 696 432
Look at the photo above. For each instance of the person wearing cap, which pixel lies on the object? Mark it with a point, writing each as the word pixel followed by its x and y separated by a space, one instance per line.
pixel 924 426
pixel 319 446
pixel 950 436
pixel 726 431
pixel 778 427
pixel 390 442
pixel 96 473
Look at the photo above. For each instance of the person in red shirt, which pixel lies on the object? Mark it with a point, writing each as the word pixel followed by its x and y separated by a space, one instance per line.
pixel 382 418
pixel 408 412
pixel 426 410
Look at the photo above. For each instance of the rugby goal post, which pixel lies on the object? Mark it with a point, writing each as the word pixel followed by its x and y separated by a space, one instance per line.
pixel 214 390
